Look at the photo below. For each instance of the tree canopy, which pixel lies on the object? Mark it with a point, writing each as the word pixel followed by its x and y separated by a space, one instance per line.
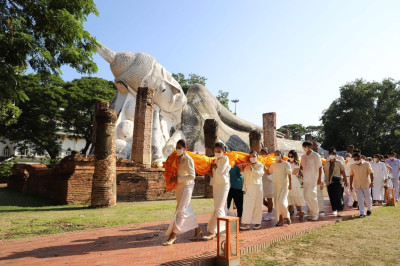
pixel 81 96
pixel 187 82
pixel 223 98
pixel 55 107
pixel 43 35
pixel 366 115
pixel 296 130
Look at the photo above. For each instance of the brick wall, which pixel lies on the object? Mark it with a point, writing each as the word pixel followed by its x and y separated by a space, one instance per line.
pixel 70 182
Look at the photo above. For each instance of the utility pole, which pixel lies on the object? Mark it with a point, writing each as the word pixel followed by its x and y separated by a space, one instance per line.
pixel 235 101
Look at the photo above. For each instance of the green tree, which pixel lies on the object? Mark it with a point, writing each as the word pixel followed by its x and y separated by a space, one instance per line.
pixel 367 115
pixel 223 98
pixel 9 113
pixel 39 123
pixel 317 133
pixel 187 82
pixel 296 130
pixel 43 35
pixel 81 96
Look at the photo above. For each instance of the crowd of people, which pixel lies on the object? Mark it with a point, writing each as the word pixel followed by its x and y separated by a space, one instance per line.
pixel 285 187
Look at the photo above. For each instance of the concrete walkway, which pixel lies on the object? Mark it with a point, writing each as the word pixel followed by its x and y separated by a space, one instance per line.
pixel 141 244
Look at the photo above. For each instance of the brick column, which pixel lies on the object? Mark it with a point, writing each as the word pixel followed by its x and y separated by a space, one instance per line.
pixel 269 126
pixel 143 126
pixel 210 137
pixel 104 186
pixel 308 137
pixel 255 140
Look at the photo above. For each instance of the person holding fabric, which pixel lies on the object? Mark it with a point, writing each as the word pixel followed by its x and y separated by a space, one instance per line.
pixel 351 195
pixel 252 173
pixel 362 180
pixel 268 191
pixel 380 180
pixel 236 190
pixel 311 168
pixel 282 173
pixel 184 218
pixel 335 176
pixel 296 197
pixel 220 180
pixel 395 165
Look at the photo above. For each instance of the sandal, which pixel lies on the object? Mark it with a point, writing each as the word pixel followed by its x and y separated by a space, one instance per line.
pixel 279 224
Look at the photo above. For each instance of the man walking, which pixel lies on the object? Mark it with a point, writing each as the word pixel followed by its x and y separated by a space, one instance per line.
pixel 362 180
pixel 311 168
pixel 395 165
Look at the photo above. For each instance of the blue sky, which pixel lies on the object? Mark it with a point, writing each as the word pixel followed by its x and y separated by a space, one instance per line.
pixel 288 57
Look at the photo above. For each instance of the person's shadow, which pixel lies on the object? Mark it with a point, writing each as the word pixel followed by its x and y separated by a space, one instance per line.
pixel 155 237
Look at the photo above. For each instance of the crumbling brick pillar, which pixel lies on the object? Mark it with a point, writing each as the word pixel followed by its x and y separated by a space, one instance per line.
pixel 143 126
pixel 104 187
pixel 255 140
pixel 210 137
pixel 308 137
pixel 269 126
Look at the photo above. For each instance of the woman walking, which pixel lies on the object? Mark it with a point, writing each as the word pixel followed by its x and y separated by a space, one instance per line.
pixel 296 197
pixel 220 180
pixel 184 219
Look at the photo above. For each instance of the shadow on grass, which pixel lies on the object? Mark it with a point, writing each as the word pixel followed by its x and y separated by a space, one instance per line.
pixel 9 199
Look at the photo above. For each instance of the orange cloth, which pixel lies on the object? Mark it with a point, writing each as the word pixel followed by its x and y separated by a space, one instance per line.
pixel 171 169
pixel 202 164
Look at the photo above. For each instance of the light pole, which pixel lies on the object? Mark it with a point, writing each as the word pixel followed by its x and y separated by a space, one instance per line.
pixel 235 101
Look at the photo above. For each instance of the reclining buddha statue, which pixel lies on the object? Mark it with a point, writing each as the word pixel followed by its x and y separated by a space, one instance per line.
pixel 175 115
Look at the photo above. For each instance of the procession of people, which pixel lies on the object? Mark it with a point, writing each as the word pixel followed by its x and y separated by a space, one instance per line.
pixel 285 187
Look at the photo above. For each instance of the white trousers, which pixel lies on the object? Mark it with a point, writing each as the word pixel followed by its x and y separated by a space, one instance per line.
pixel 184 218
pixel 364 194
pixel 310 196
pixel 253 204
pixel 351 195
pixel 281 193
pixel 220 194
pixel 320 197
pixel 395 181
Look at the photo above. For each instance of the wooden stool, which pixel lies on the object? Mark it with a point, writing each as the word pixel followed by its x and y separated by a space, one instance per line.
pixel 390 197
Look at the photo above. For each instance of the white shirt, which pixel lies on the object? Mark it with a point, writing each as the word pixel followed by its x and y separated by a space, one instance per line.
pixel 310 167
pixel 380 171
pixel 186 170
pixel 252 174
pixel 221 174
pixel 280 171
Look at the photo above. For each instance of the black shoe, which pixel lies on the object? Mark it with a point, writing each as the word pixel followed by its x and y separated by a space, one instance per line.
pixel 361 216
pixel 369 213
pixel 355 203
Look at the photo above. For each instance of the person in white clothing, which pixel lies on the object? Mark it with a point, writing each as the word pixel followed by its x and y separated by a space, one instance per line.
pixel 252 173
pixel 220 180
pixel 282 173
pixel 268 191
pixel 380 179
pixel 351 195
pixel 184 218
pixel 296 197
pixel 394 163
pixel 311 168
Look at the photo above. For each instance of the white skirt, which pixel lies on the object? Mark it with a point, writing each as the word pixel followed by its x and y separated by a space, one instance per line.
pixel 184 218
pixel 220 194
pixel 296 196
pixel 281 200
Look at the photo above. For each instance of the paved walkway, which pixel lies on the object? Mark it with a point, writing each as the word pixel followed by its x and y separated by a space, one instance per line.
pixel 140 244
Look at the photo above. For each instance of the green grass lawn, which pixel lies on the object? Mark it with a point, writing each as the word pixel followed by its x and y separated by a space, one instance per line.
pixel 374 240
pixel 25 216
